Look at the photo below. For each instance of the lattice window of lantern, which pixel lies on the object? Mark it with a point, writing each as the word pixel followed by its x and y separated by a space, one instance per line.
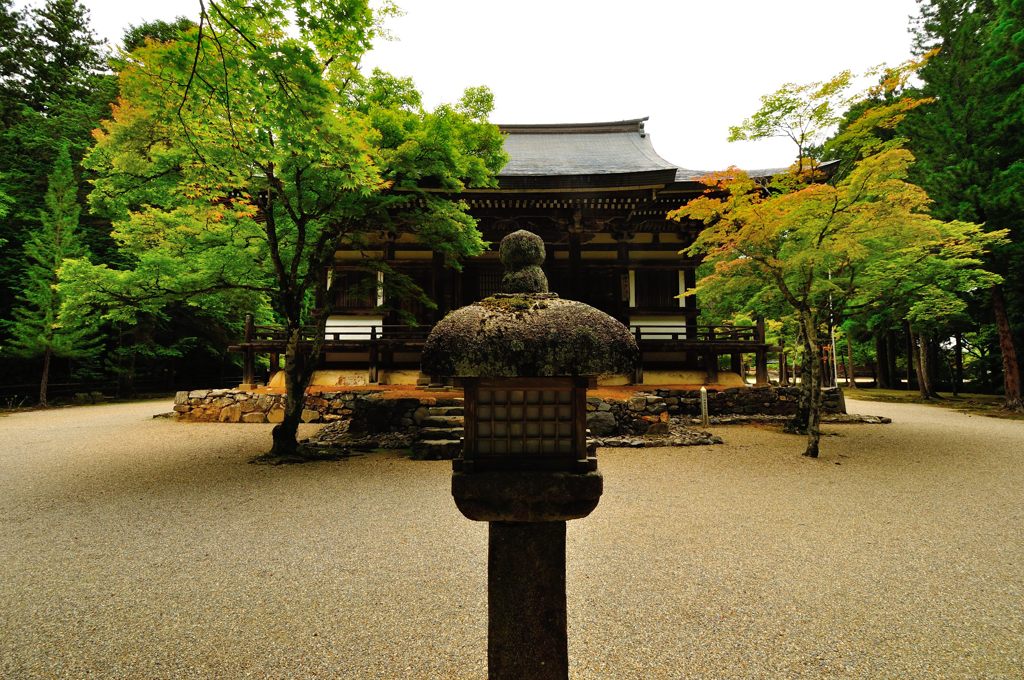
pixel 524 423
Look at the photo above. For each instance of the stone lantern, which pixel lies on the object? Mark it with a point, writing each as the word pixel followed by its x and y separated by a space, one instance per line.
pixel 525 358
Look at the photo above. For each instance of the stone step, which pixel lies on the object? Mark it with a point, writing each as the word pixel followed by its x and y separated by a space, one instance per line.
pixel 446 410
pixel 443 421
pixel 452 433
pixel 448 401
pixel 436 449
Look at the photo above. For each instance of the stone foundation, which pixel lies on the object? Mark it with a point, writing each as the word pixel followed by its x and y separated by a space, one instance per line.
pixel 372 412
pixel 368 412
pixel 649 412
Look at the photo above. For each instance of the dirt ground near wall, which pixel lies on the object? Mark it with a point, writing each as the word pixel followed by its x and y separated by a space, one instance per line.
pixel 134 547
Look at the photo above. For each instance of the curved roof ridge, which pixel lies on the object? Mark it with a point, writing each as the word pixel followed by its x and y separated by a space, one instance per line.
pixel 629 125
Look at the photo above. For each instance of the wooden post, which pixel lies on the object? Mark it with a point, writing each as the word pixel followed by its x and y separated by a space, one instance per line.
pixel 711 359
pixel 736 364
pixel 761 355
pixel 249 362
pixel 761 368
pixel 575 266
pixel 783 366
pixel 374 368
pixel 638 371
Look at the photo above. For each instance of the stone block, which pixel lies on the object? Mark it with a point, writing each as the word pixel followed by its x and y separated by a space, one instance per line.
pixel 275 415
pixel 198 394
pixel 309 415
pixel 254 417
pixel 602 423
pixel 181 397
pixel 230 414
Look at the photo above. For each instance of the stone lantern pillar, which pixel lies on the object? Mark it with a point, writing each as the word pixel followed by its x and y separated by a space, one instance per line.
pixel 525 358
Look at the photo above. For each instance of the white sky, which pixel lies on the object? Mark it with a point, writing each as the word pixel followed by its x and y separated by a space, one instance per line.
pixel 694 67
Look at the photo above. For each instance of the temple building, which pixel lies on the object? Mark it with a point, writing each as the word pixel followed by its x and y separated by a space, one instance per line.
pixel 598 194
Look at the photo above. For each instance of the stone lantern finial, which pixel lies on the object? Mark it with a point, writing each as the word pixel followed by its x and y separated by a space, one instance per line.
pixel 522 253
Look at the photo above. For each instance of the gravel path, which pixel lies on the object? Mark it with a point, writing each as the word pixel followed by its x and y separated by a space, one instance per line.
pixel 141 548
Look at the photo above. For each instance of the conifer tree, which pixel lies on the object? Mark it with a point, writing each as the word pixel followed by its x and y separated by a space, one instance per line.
pixel 968 142
pixel 37 327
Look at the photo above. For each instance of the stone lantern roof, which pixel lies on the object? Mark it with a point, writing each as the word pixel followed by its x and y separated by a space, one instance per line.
pixel 526 331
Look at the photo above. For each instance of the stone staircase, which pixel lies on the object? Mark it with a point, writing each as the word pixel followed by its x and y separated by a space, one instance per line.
pixel 440 432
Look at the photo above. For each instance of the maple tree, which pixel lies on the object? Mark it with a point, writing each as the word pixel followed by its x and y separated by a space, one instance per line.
pixel 812 245
pixel 243 154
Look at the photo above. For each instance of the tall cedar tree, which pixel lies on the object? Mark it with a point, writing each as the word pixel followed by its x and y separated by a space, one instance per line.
pixel 970 142
pixel 54 89
pixel 245 154
pixel 38 327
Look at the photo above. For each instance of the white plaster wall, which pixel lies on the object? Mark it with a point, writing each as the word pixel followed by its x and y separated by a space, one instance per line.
pixel 354 327
pixel 672 324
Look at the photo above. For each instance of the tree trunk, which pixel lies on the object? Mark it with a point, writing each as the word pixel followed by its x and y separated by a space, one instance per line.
pixel 884 375
pixel 930 346
pixel 44 382
pixel 299 365
pixel 912 362
pixel 814 389
pixel 798 423
pixel 296 380
pixel 851 377
pixel 919 345
pixel 1011 369
pixel 890 355
pixel 841 361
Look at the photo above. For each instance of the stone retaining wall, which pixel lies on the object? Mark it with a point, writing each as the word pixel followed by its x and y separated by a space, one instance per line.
pixel 367 411
pixel 649 412
pixel 371 413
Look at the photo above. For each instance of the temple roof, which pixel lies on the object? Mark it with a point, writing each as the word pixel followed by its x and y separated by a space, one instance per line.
pixel 581 149
pixel 581 155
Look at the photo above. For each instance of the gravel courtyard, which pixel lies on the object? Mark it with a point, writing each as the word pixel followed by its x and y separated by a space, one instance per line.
pixel 141 548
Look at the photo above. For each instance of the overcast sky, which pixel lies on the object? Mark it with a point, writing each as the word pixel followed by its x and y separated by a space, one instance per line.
pixel 694 67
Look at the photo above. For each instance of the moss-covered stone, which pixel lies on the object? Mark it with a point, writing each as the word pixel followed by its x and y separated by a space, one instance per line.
pixel 526 280
pixel 528 335
pixel 526 331
pixel 521 249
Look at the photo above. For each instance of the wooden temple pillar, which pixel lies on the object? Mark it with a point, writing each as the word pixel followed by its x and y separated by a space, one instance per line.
pixel 783 366
pixel 690 303
pixel 249 359
pixel 760 356
pixel 711 359
pixel 575 266
pixel 736 364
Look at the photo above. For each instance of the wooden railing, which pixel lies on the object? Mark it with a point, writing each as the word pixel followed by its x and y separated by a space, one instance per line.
pixel 709 341
pixel 701 334
pixel 358 333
